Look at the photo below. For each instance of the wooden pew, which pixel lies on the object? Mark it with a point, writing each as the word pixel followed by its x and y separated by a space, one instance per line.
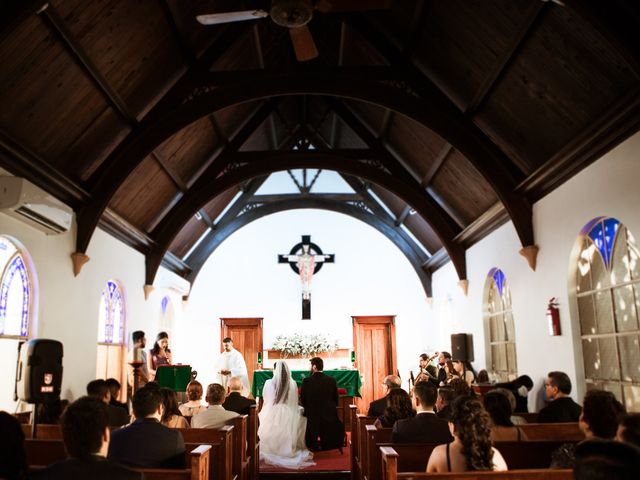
pixel 371 459
pixel 568 432
pixel 357 443
pixel 198 462
pixel 390 460
pixel 41 452
pixel 253 444
pixel 44 431
pixel 222 462
pixel 529 417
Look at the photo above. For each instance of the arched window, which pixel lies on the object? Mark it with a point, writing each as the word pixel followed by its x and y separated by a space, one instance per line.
pixel 15 291
pixel 111 333
pixel 608 294
pixel 499 327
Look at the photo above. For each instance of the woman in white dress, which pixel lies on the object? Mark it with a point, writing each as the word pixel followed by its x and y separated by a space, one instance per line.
pixel 282 425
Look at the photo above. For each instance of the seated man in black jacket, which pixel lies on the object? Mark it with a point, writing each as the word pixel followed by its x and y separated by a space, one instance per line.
pixel 146 443
pixel 425 427
pixel 235 402
pixel 376 408
pixel 562 408
pixel 85 433
pixel 100 389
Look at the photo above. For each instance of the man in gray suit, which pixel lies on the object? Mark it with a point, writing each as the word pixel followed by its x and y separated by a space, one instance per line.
pixel 215 416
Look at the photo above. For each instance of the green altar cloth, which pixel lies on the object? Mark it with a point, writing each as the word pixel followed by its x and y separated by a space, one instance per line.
pixel 175 377
pixel 347 379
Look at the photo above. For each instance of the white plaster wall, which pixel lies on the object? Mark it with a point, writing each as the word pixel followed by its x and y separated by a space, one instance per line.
pixel 68 305
pixel 242 278
pixel 609 187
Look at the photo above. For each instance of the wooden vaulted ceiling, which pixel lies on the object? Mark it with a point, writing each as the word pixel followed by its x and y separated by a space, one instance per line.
pixel 455 115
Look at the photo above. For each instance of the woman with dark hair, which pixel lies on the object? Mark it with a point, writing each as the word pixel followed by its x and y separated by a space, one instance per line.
pixel 520 387
pixel 13 458
pixel 471 449
pixel 601 412
pixel 194 395
pixel 450 371
pixel 171 417
pixel 461 388
pixel 160 354
pixel 465 371
pixel 398 407
pixel 499 409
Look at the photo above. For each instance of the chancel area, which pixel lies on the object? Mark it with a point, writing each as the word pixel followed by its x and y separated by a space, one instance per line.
pixel 290 237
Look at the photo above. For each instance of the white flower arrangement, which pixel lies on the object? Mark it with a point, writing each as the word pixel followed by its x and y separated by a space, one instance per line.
pixel 305 345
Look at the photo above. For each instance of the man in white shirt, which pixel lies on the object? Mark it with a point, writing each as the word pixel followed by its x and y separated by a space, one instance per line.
pixel 215 416
pixel 231 364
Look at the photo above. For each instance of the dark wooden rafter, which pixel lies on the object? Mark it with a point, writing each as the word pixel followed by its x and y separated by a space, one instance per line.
pixel 468 139
pixel 369 84
pixel 269 162
pixel 183 45
pixel 231 224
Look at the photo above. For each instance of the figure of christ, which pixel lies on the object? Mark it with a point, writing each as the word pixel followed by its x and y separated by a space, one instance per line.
pixel 306 263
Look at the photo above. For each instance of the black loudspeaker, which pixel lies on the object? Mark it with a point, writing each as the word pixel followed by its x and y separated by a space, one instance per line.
pixel 39 376
pixel 462 347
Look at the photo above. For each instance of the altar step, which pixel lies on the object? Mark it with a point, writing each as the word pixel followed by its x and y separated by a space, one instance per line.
pixel 307 475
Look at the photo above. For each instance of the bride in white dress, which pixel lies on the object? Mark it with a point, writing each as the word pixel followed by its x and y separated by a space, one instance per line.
pixel 282 425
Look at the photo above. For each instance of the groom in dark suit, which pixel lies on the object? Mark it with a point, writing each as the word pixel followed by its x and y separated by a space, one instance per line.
pixel 319 397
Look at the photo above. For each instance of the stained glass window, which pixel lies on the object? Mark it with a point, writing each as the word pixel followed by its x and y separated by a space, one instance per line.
pixel 499 327
pixel 111 318
pixel 166 315
pixel 608 295
pixel 15 291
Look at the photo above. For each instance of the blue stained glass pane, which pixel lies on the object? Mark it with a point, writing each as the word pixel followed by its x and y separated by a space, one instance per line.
pixel 16 266
pixel 498 277
pixel 610 228
pixel 597 235
pixel 165 302
pixel 111 287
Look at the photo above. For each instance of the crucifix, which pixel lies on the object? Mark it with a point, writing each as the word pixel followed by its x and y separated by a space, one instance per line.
pixel 306 259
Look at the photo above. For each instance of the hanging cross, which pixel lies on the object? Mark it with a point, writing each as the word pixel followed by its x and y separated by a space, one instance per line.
pixel 306 259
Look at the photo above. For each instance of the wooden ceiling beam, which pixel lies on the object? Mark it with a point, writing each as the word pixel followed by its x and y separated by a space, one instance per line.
pixel 467 138
pixel 201 194
pixel 53 19
pixel 365 84
pixel 22 162
pixel 183 44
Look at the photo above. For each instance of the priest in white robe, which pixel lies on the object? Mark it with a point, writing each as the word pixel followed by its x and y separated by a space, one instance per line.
pixel 231 364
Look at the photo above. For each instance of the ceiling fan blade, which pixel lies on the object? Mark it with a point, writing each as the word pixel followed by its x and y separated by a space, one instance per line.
pixel 228 17
pixel 337 6
pixel 303 43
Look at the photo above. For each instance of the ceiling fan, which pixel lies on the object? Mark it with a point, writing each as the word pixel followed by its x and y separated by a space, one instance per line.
pixel 294 15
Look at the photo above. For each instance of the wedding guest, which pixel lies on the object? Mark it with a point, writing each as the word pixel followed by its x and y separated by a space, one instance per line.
pixel 215 416
pixel 194 397
pixel 515 419
pixel 86 437
pixel 398 406
pixel 425 426
pixel 606 460
pixel 471 449
pixel 446 395
pixel 483 376
pixel 13 458
pixel 99 389
pixel 146 443
pixel 520 387
pixel 562 407
pixel 376 408
pixel 235 402
pixel 629 429
pixel 464 370
pixel 114 389
pixel 171 416
pixel 598 421
pixel 499 409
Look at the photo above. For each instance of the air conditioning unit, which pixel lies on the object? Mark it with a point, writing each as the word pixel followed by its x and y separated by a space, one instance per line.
pixel 24 201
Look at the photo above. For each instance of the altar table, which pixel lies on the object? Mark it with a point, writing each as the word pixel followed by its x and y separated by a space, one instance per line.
pixel 347 379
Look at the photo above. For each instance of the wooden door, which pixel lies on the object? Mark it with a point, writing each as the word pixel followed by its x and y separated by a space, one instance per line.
pixel 246 334
pixel 374 341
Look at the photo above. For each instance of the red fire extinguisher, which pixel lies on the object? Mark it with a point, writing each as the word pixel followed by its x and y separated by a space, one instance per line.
pixel 553 317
